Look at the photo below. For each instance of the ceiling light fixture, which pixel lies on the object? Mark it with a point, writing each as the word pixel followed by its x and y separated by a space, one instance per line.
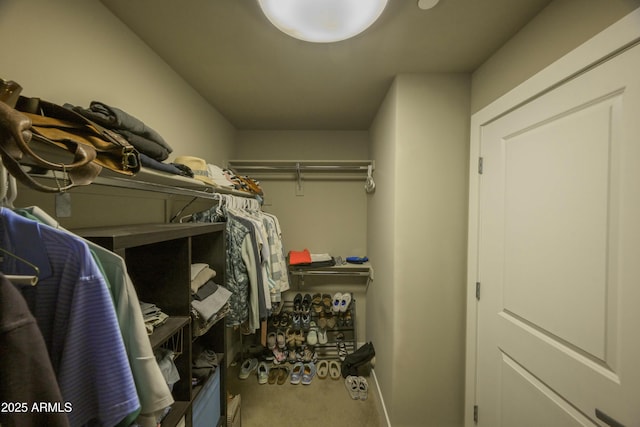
pixel 322 21
pixel 427 4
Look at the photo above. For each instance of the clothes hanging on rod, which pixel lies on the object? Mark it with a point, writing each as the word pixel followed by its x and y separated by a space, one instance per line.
pixel 75 314
pixel 256 267
pixel 25 368
pixel 153 392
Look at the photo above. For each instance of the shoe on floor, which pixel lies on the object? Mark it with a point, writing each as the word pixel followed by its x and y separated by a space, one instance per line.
pixel 308 372
pixel 263 373
pixel 248 366
pixel 323 369
pixel 363 388
pixel 296 373
pixel 279 356
pixel 334 370
pixel 273 375
pixel 283 374
pixel 352 384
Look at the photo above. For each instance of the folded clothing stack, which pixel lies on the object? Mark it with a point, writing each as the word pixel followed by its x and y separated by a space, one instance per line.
pixel 141 136
pixel 153 316
pixel 201 273
pixel 208 299
pixel 303 259
pixel 299 257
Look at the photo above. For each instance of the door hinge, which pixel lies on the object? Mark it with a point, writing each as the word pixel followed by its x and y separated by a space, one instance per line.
pixel 480 165
pixel 475 414
pixel 478 291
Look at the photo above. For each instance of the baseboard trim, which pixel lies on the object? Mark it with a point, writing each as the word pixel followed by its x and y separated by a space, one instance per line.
pixel 383 407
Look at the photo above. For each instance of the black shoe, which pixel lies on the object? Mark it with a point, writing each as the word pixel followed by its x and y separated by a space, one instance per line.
pixel 306 303
pixel 297 303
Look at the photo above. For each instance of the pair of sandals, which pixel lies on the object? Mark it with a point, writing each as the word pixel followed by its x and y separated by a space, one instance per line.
pixel 341 302
pixel 325 322
pixel 329 368
pixel 321 302
pixel 278 374
pixel 358 387
pixel 295 338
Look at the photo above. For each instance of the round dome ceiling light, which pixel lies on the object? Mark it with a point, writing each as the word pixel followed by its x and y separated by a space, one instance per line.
pixel 322 21
pixel 427 4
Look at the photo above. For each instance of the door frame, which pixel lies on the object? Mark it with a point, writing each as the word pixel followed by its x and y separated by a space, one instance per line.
pixel 603 46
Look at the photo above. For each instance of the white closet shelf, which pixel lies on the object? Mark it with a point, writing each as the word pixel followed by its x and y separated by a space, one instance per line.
pixel 151 180
pixel 154 181
pixel 343 169
pixel 147 179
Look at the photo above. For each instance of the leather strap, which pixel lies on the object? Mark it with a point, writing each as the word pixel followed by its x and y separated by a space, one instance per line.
pixel 14 145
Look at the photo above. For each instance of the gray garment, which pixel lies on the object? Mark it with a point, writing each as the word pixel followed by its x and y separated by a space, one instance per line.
pixel 262 308
pixel 150 141
pixel 205 290
pixel 237 276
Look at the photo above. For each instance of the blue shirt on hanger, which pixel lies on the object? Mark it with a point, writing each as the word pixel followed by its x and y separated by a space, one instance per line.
pixel 76 316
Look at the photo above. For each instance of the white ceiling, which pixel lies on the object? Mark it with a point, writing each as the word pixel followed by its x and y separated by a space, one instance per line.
pixel 259 78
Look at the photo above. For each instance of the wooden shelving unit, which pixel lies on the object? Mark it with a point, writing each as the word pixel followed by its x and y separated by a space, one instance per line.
pixel 159 258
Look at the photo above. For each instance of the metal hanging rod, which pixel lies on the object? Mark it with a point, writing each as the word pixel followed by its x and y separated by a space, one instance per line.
pixel 340 168
pixel 274 166
pixel 329 272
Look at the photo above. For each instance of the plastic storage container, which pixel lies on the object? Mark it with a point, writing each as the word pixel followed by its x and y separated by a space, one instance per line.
pixel 206 406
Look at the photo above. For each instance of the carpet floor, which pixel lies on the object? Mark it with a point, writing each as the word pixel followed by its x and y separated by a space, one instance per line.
pixel 321 403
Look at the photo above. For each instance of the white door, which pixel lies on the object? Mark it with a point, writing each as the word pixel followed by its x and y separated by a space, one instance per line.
pixel 558 338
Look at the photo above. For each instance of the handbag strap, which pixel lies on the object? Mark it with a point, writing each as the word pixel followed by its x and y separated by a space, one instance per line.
pixel 14 144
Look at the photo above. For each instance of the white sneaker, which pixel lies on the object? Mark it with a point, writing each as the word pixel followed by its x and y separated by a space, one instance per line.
pixel 344 302
pixel 353 386
pixel 312 337
pixel 363 388
pixel 263 373
pixel 337 300
pixel 248 366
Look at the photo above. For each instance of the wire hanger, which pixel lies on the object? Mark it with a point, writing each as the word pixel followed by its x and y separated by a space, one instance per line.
pixel 8 187
pixel 22 279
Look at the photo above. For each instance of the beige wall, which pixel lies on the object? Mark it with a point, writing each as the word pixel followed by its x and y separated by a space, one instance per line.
pixel 330 215
pixel 559 28
pixel 381 217
pixel 76 51
pixel 420 139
